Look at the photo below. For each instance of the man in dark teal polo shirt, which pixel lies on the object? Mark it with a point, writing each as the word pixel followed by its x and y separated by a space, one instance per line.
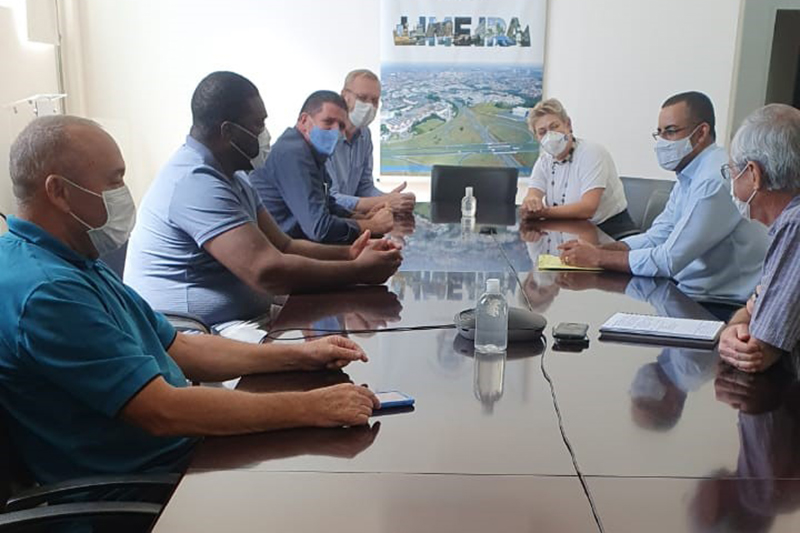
pixel 92 379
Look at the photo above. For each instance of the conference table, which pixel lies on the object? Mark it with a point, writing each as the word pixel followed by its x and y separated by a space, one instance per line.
pixel 614 437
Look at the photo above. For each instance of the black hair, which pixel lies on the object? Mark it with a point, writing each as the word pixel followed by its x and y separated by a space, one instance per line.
pixel 317 99
pixel 220 97
pixel 700 108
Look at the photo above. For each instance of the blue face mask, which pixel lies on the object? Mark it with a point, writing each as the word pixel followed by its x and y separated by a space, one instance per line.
pixel 324 141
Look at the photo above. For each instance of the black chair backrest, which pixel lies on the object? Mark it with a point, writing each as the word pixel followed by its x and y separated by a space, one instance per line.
pixel 116 260
pixel 646 198
pixel 13 474
pixel 496 185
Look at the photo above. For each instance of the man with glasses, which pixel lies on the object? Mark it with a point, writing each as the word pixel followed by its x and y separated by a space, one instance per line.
pixel 764 171
pixel 699 240
pixel 350 166
pixel 204 242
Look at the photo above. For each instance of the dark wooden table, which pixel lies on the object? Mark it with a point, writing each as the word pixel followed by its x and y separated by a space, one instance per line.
pixel 662 439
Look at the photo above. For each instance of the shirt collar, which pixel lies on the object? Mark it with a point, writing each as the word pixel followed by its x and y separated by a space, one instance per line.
pixel 205 153
pixel 318 157
pixel 356 135
pixel 33 233
pixel 692 168
pixel 784 214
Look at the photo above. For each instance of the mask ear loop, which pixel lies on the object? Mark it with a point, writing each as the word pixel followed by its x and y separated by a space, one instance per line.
pixel 84 189
pixel 693 132
pixel 755 190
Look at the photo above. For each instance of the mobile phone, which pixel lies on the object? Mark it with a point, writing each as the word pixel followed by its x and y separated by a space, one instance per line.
pixel 574 346
pixel 570 332
pixel 393 399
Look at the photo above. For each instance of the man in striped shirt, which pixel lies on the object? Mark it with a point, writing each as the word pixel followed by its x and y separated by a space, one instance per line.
pixel 765 183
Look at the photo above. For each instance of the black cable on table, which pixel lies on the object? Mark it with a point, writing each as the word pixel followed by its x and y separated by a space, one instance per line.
pixel 272 335
pixel 556 407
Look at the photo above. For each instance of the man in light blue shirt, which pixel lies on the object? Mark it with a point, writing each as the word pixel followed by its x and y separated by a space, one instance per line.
pixel 203 242
pixel 660 388
pixel 350 166
pixel 699 240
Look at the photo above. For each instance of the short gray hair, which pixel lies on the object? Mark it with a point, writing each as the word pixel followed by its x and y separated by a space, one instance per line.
pixel 360 73
pixel 41 149
pixel 770 137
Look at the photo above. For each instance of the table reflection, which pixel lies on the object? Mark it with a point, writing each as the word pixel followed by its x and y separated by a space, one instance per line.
pixel 489 369
pixel 489 374
pixel 247 450
pixel 356 308
pixel 544 237
pixel 768 467
pixel 534 238
pixel 439 241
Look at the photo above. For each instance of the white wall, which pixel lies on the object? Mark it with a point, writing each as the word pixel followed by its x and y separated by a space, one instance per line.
pixel 25 69
pixel 143 59
pixel 612 62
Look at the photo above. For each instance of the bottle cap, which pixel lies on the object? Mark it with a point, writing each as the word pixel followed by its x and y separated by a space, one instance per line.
pixel 493 285
pixel 469 191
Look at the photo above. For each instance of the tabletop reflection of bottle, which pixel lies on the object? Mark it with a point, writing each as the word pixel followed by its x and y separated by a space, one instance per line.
pixel 489 374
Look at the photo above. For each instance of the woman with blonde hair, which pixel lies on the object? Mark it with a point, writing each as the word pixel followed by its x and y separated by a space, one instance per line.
pixel 573 178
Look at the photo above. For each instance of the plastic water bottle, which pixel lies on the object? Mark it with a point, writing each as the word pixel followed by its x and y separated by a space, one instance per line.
pixel 469 204
pixel 491 320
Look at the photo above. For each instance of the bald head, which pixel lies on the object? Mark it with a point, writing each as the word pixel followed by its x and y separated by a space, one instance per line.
pixel 62 145
pixel 60 167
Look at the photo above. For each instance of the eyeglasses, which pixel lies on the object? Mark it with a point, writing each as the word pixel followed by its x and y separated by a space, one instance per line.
pixel 365 97
pixel 726 170
pixel 670 132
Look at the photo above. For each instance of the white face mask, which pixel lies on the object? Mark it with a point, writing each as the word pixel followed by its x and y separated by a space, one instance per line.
pixel 120 219
pixel 363 114
pixel 742 207
pixel 554 143
pixel 264 146
pixel 264 139
pixel 671 153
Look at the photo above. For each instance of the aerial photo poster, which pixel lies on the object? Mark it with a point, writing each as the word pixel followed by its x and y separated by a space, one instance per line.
pixel 459 77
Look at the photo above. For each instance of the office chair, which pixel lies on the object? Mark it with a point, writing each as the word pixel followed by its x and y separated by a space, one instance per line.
pixel 655 206
pixel 25 506
pixel 491 185
pixel 646 199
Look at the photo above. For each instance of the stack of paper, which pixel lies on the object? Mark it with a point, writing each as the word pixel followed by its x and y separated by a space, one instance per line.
pixel 661 330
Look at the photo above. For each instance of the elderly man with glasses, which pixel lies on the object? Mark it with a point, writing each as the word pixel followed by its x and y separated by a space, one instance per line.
pixel 764 172
pixel 699 240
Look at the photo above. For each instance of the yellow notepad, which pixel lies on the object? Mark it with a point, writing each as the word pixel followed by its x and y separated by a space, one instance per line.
pixel 552 262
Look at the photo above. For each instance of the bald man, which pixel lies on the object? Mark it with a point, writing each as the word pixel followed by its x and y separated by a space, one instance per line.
pixel 350 166
pixel 93 380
